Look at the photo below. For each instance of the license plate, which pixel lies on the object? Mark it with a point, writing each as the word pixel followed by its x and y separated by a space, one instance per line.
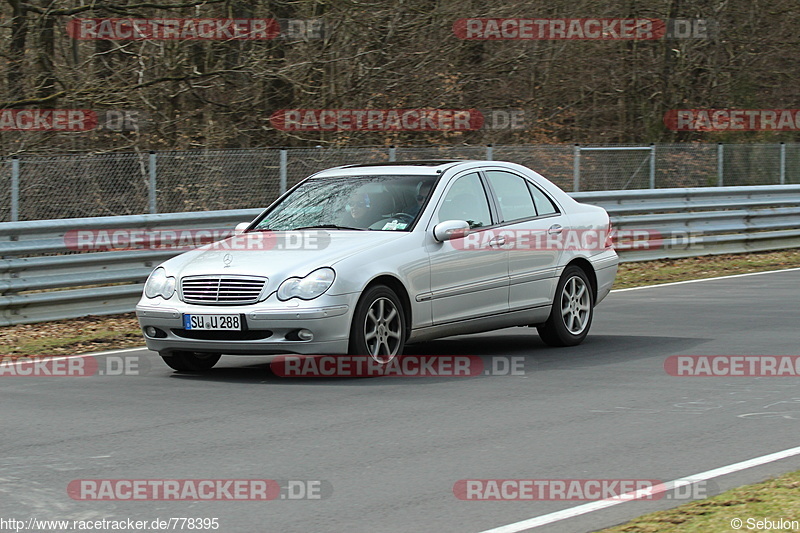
pixel 213 322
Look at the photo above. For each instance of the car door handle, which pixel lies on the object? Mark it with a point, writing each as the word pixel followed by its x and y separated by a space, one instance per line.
pixel 555 229
pixel 497 241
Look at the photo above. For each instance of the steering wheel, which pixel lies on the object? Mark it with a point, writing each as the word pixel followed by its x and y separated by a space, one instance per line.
pixel 404 217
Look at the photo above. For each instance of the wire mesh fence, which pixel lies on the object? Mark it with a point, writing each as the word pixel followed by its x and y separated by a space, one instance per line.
pixel 440 152
pixel 752 164
pixel 36 187
pixel 219 179
pixel 82 186
pixel 5 192
pixel 792 163
pixel 679 165
pixel 555 162
pixel 304 162
pixel 608 168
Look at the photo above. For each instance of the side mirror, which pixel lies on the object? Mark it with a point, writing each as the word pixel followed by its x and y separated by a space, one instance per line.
pixel 240 227
pixel 450 229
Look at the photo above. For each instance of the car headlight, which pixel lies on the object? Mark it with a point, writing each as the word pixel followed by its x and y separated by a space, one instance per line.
pixel 159 284
pixel 308 287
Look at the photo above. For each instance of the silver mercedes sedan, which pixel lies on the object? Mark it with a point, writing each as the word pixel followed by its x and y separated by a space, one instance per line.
pixel 364 259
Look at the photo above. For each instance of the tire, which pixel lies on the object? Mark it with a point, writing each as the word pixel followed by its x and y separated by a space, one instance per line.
pixel 190 361
pixel 572 312
pixel 379 325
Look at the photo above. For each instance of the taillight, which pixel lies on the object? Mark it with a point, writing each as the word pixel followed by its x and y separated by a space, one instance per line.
pixel 610 235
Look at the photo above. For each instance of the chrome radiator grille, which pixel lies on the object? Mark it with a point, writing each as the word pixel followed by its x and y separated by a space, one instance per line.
pixel 221 290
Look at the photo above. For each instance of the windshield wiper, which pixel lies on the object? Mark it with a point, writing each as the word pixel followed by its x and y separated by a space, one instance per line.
pixel 328 226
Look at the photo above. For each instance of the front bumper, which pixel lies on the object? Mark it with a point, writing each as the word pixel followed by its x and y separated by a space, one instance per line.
pixel 269 328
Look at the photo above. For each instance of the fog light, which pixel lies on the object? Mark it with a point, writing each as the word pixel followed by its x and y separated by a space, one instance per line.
pixel 156 333
pixel 305 335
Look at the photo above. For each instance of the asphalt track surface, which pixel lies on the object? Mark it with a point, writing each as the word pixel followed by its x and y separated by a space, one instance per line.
pixel 392 448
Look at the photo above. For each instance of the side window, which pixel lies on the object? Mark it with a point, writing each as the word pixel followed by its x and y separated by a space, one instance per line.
pixel 466 200
pixel 544 205
pixel 512 194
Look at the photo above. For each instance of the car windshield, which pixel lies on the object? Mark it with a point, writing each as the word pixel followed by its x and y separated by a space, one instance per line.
pixel 379 203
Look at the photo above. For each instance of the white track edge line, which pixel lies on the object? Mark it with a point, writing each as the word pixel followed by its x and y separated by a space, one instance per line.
pixel 564 514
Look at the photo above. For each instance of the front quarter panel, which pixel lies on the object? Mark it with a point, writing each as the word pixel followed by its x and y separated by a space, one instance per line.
pixel 403 259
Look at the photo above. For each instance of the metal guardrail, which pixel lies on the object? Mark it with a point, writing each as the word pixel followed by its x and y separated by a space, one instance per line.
pixel 691 222
pixel 42 278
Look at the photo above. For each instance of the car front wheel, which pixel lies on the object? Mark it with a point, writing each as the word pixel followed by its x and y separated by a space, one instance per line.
pixel 378 328
pixel 573 308
pixel 190 361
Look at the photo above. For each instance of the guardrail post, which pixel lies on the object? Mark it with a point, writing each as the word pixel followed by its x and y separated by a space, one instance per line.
pixel 489 152
pixel 153 192
pixel 783 164
pixel 284 169
pixel 14 189
pixel 720 164
pixel 652 165
pixel 392 153
pixel 576 169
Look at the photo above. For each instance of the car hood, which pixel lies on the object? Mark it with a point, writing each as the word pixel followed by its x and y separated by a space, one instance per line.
pixel 278 254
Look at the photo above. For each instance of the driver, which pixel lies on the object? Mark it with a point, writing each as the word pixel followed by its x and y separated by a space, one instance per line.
pixel 361 213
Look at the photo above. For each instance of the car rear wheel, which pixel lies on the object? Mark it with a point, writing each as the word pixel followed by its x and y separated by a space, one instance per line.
pixel 190 361
pixel 573 308
pixel 378 328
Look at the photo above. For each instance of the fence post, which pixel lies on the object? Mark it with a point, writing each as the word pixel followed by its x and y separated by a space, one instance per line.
pixel 652 165
pixel 392 153
pixel 720 165
pixel 284 169
pixel 783 163
pixel 489 152
pixel 14 188
pixel 576 169
pixel 152 187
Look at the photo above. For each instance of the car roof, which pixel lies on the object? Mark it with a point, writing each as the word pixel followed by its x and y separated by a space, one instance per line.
pixel 422 163
pixel 421 167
